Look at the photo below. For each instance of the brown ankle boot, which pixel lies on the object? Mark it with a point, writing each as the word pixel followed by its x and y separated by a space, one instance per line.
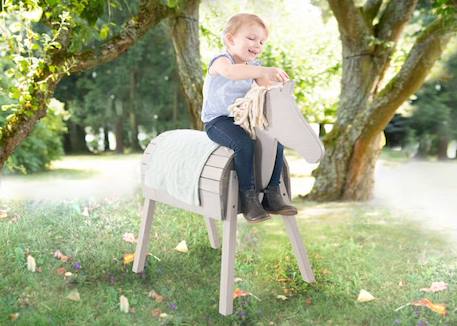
pixel 250 207
pixel 273 202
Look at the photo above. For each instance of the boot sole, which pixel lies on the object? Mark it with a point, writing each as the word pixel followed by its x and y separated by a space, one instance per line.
pixel 284 212
pixel 258 220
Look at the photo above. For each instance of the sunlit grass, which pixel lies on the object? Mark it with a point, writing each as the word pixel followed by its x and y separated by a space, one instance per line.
pixel 352 246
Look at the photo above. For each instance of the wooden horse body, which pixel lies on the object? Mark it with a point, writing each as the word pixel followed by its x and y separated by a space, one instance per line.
pixel 218 187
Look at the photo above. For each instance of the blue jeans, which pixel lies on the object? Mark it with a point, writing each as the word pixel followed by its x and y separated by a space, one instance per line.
pixel 223 131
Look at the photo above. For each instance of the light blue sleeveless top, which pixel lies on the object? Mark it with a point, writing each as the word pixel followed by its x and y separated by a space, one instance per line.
pixel 220 92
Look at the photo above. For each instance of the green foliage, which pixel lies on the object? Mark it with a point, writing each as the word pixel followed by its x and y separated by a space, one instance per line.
pixel 144 81
pixel 42 146
pixel 435 110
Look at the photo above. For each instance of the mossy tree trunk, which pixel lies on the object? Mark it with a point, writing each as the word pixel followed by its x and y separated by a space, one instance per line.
pixel 184 29
pixel 366 105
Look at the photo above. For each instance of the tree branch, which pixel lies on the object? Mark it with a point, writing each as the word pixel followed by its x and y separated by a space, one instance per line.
pixel 371 9
pixel 21 124
pixel 427 49
pixel 351 24
pixel 393 19
pixel 151 13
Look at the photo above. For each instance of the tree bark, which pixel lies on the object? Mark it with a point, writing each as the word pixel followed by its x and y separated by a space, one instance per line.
pixel 135 144
pixel 443 143
pixel 106 139
pixel 75 141
pixel 19 127
pixel 184 32
pixel 354 144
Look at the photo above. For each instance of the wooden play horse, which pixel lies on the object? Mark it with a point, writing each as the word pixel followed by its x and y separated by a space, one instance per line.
pixel 218 187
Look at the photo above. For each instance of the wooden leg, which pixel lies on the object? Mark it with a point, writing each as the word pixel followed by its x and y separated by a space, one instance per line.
pixel 212 233
pixel 297 243
pixel 299 248
pixel 229 249
pixel 143 238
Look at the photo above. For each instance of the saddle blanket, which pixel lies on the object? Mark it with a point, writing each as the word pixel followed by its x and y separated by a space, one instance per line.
pixel 176 162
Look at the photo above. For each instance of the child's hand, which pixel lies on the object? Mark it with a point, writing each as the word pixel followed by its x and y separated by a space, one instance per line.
pixel 275 74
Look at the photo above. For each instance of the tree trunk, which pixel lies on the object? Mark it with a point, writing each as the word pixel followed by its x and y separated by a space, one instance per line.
pixel 119 128
pixel 135 144
pixel 355 142
pixel 322 131
pixel 106 139
pixel 442 148
pixel 184 32
pixel 75 139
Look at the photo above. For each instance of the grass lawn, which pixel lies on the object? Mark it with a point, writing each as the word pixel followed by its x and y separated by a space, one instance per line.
pixel 352 246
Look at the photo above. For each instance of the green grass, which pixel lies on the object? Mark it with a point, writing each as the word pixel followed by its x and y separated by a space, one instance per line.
pixel 352 246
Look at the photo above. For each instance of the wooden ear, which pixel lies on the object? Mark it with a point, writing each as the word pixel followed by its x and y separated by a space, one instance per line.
pixel 289 87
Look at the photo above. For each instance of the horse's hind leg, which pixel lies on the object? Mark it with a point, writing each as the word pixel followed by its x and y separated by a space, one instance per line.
pixel 212 232
pixel 143 238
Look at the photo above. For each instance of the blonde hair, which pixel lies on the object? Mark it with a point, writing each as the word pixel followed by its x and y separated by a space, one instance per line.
pixel 238 20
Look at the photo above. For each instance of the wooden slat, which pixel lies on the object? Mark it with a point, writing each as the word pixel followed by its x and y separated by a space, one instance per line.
pixel 223 151
pixel 211 204
pixel 209 185
pixel 217 161
pixel 211 173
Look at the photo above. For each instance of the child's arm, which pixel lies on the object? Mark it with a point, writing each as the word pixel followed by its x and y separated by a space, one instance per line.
pixel 224 67
pixel 265 82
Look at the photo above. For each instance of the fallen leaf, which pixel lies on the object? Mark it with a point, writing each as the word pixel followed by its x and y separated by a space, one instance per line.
pixel 163 315
pixel 128 258
pixel 14 316
pixel 401 283
pixel 124 303
pixel 238 279
pixel 439 308
pixel 85 211
pixel 240 293
pixel 309 301
pixel 435 287
pixel 73 295
pixel 129 237
pixel 59 255
pixel 60 271
pixel 31 264
pixel 156 312
pixel 365 296
pixel 3 213
pixel 154 295
pixel 182 247
pixel 68 274
pixel 282 297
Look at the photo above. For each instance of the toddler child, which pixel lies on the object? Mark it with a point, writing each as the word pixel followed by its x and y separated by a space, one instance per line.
pixel 230 76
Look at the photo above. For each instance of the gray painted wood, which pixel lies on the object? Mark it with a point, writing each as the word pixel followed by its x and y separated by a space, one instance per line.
pixel 229 249
pixel 218 188
pixel 143 238
pixel 212 233
pixel 300 252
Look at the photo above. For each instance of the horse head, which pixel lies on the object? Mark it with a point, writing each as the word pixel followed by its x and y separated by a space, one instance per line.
pixel 286 125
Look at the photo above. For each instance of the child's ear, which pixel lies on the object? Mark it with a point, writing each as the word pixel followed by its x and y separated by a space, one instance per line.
pixel 229 37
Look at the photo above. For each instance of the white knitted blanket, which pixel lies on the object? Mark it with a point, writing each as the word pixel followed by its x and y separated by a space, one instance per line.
pixel 176 162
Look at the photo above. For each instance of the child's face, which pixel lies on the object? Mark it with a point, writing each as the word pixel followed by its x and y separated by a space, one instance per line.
pixel 248 41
